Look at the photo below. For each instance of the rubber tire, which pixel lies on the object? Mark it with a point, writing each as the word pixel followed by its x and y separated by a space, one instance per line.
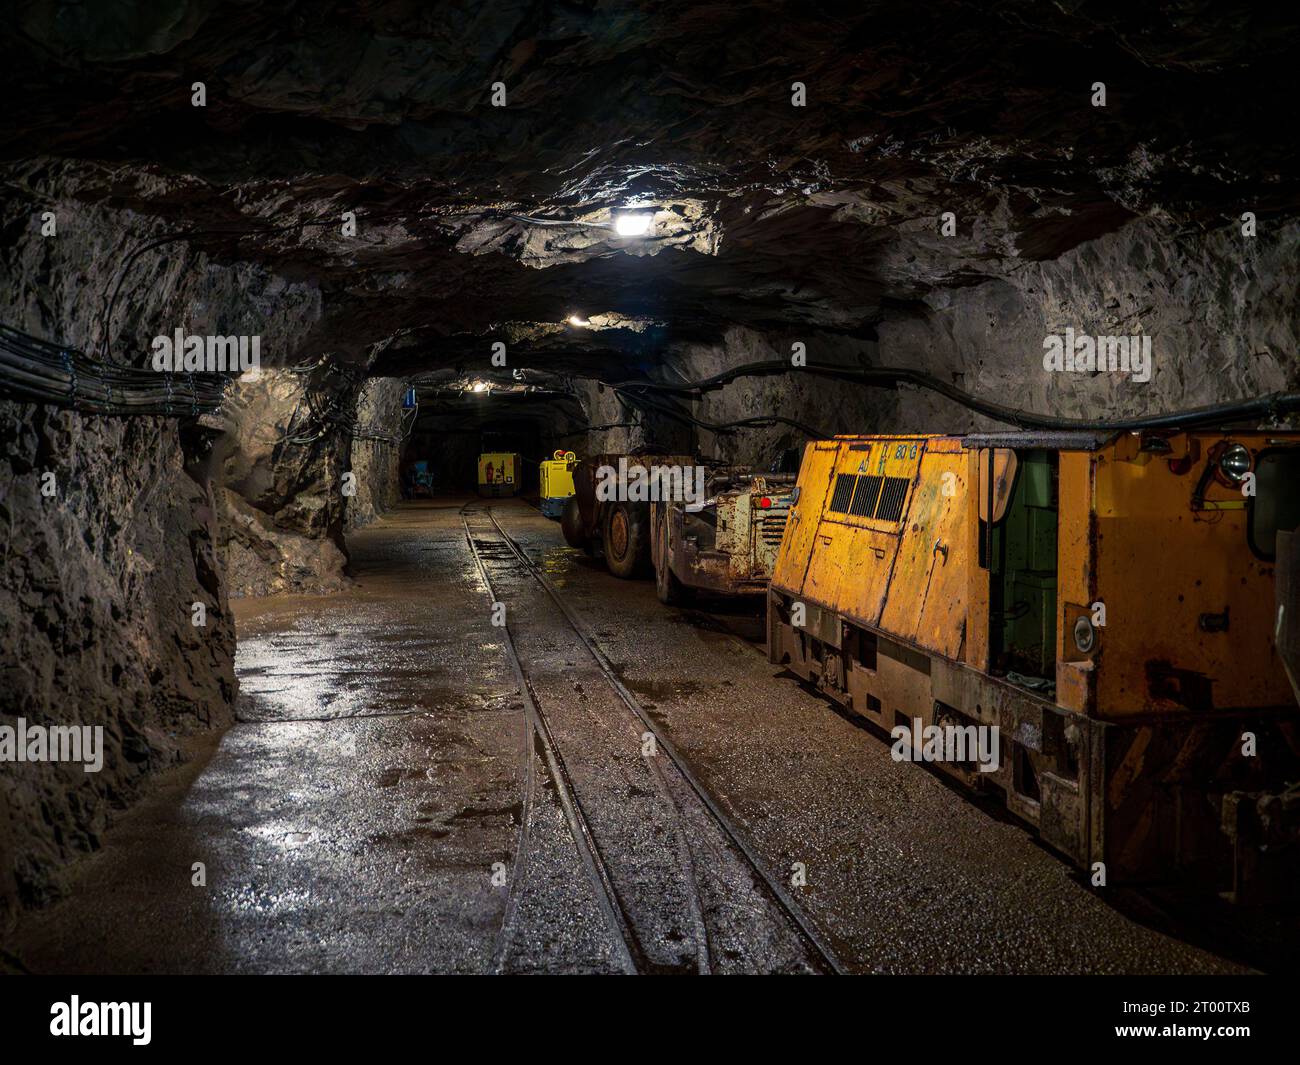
pixel 636 554
pixel 670 590
pixel 575 533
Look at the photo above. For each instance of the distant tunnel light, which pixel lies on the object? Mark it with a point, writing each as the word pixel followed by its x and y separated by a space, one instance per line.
pixel 633 223
pixel 578 320
pixel 480 386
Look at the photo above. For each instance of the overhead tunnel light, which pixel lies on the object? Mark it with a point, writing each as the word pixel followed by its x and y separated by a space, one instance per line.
pixel 633 223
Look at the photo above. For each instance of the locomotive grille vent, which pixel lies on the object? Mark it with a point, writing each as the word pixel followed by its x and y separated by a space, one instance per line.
pixel 891 499
pixel 772 526
pixel 869 495
pixel 843 492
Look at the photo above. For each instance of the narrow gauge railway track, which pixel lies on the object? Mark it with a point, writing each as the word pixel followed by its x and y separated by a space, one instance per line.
pixel 539 742
pixel 818 954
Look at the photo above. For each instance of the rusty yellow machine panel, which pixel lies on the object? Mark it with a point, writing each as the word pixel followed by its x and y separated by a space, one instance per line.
pixel 1104 603
pixel 725 543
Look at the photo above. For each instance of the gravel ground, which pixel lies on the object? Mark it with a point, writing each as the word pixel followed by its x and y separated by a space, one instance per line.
pixel 364 815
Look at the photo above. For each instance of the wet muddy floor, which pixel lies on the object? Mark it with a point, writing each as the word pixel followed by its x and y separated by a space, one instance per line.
pixel 393 800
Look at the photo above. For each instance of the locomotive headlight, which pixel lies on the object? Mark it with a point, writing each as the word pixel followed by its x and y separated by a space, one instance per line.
pixel 1085 636
pixel 1235 463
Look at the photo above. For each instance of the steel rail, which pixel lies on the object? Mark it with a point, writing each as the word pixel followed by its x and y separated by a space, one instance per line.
pixel 631 956
pixel 811 937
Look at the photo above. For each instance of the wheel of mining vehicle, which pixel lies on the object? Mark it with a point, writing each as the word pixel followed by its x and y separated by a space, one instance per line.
pixel 626 538
pixel 669 588
pixel 575 534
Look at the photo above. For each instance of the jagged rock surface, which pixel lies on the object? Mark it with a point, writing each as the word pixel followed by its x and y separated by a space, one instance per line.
pixel 99 584
pixel 376 450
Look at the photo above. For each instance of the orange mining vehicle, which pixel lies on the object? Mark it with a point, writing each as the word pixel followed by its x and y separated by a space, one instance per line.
pixel 1105 602
pixel 617 520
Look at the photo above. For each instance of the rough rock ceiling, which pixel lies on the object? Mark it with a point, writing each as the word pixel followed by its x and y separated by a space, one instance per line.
pixel 773 216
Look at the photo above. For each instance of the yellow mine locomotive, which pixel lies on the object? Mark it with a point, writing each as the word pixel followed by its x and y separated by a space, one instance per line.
pixel 1102 607
pixel 498 473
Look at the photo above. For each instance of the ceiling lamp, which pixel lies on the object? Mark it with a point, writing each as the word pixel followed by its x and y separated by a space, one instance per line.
pixel 633 223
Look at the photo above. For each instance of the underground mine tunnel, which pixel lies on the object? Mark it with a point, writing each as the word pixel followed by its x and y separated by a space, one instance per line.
pixel 676 488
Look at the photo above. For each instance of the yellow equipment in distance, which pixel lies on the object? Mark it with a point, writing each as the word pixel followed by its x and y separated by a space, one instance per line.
pixel 498 473
pixel 557 482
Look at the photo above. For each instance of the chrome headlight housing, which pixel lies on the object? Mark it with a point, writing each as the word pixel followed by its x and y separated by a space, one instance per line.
pixel 1085 636
pixel 1235 462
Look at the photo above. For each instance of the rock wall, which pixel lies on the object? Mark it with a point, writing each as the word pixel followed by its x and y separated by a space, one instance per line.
pixel 284 486
pixel 100 578
pixel 102 569
pixel 629 428
pixel 376 450
pixel 1222 311
pixel 821 406
pixel 281 491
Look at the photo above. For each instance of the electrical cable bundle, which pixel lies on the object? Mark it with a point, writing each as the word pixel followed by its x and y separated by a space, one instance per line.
pixel 391 432
pixel 325 406
pixel 762 421
pixel 328 410
pixel 1274 405
pixel 40 372
pixel 379 433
